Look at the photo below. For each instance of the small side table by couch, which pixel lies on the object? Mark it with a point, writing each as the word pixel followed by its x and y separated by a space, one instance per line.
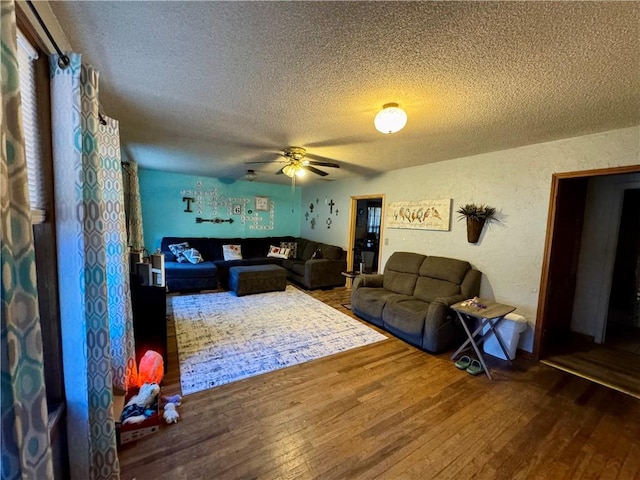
pixel 350 276
pixel 489 313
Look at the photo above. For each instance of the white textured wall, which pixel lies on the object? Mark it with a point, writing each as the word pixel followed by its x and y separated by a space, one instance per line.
pixel 516 181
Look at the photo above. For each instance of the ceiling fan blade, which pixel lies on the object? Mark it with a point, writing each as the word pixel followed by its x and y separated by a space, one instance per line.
pixel 265 157
pixel 339 142
pixel 280 172
pixel 269 161
pixel 320 158
pixel 316 171
pixel 323 164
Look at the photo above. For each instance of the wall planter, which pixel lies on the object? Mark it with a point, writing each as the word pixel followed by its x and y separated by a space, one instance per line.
pixel 476 216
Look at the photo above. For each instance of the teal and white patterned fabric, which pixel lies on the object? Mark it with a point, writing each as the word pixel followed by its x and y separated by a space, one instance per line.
pixel 26 452
pixel 193 256
pixel 82 270
pixel 123 361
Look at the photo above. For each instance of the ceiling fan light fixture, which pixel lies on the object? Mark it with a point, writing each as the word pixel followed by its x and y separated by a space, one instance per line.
pixel 300 172
pixel 250 176
pixel 390 119
pixel 289 170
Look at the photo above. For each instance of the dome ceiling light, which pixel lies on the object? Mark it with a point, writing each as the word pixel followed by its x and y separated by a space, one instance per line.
pixel 390 119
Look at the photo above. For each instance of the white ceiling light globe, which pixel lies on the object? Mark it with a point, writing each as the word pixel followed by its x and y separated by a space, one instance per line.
pixel 390 119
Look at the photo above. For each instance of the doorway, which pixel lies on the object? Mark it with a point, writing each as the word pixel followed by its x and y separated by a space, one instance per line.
pixel 623 316
pixel 577 285
pixel 365 233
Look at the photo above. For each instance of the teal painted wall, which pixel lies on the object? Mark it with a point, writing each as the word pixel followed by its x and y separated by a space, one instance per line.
pixel 163 209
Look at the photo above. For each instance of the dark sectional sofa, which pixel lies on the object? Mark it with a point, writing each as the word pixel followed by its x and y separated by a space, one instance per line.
pixel 412 298
pixel 311 273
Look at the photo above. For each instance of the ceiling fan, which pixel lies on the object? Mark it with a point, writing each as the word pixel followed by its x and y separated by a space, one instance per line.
pixel 297 165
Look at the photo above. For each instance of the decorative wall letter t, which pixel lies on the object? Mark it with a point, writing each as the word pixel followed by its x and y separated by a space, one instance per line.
pixel 188 200
pixel 331 204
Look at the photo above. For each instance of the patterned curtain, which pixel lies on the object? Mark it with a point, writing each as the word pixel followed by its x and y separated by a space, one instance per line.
pixel 134 208
pixel 26 452
pixel 82 271
pixel 123 362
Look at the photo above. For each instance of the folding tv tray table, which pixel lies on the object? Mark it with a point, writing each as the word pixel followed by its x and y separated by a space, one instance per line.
pixel 489 313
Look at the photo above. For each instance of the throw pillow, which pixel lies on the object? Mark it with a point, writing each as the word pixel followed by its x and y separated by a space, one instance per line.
pixel 232 252
pixel 178 250
pixel 317 254
pixel 192 255
pixel 293 248
pixel 278 252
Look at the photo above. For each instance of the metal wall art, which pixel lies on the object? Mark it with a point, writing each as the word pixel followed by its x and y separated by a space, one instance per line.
pixel 214 203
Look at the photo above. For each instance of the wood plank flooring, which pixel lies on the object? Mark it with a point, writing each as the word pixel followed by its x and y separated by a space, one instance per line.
pixel 615 364
pixel 390 411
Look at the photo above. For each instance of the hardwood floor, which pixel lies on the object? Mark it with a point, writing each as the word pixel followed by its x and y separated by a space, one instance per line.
pixel 390 411
pixel 615 364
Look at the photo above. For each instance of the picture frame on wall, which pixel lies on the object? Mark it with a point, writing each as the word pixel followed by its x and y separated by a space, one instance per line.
pixel 261 203
pixel 420 215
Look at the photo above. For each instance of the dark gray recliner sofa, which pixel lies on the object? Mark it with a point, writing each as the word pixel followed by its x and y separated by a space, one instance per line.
pixel 306 269
pixel 411 299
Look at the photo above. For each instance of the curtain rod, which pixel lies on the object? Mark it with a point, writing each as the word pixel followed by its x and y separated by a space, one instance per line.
pixel 63 60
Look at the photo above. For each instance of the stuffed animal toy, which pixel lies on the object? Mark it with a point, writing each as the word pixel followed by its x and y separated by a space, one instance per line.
pixel 170 413
pixel 137 408
pixel 146 395
pixel 175 399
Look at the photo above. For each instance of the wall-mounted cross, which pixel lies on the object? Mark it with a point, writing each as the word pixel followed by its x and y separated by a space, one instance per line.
pixel 331 204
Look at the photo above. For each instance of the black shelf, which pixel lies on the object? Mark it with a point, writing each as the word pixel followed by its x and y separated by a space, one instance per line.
pixel 149 306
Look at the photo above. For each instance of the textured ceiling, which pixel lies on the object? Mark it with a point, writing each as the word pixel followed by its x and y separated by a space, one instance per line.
pixel 202 87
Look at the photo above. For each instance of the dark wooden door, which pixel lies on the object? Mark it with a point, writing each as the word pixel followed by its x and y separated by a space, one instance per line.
pixel 563 249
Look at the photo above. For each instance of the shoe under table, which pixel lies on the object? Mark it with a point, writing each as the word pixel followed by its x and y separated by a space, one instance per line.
pixel 251 279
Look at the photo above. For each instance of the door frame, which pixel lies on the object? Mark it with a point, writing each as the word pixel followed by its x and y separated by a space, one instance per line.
pixel 352 226
pixel 551 312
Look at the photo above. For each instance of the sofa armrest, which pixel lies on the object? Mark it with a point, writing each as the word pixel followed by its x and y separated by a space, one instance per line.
pixel 441 326
pixel 321 272
pixel 448 301
pixel 374 280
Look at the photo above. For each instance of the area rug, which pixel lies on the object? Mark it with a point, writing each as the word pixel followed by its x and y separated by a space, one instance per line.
pixel 223 338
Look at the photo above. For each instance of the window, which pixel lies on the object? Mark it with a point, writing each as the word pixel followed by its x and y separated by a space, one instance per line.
pixel 27 56
pixel 33 67
pixel 36 118
pixel 373 220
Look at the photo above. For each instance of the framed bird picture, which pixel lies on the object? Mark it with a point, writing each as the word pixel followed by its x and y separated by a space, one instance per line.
pixel 421 215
